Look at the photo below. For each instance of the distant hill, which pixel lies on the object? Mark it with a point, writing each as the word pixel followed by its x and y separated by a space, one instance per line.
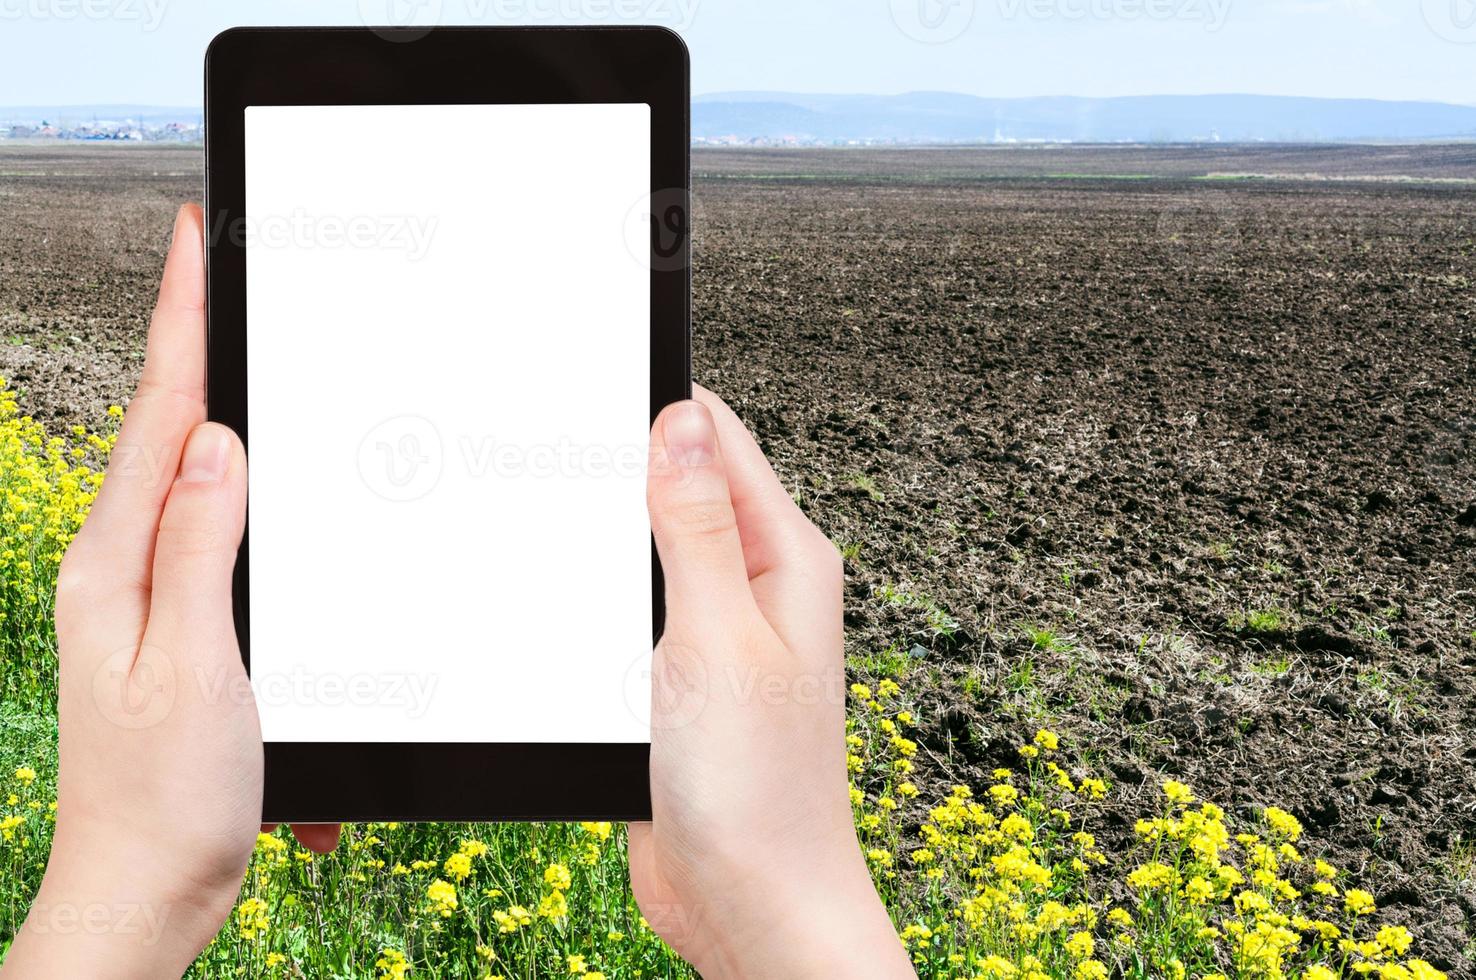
pixel 946 117
pixel 73 115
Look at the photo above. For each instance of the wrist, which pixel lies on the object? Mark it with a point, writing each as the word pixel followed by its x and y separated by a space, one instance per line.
pixel 816 919
pixel 104 917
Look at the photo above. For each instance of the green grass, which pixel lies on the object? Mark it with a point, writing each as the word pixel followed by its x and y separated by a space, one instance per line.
pixel 867 485
pixel 1047 641
pixel 1273 667
pixel 1259 621
pixel 938 623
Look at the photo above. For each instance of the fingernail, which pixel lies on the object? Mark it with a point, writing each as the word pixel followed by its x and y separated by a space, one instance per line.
pixel 179 217
pixel 690 438
pixel 206 456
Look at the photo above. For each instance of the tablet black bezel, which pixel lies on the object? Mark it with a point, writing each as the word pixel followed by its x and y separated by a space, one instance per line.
pixel 328 782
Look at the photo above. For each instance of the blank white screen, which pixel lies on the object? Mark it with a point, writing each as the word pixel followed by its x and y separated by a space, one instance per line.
pixel 448 359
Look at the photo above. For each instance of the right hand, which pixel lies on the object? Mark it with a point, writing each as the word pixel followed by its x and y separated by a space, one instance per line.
pixel 750 866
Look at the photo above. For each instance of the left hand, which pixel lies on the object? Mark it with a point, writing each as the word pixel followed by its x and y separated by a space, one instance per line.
pixel 159 788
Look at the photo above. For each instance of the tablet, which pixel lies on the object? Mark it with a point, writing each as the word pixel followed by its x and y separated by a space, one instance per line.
pixel 448 294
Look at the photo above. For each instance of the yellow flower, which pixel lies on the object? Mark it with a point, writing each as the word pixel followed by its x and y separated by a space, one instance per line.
pixel 1283 823
pixel 577 964
pixel 1047 740
pixel 458 866
pixel 1396 939
pixel 26 775
pixel 553 906
pixel 601 829
pixel 557 877
pixel 251 916
pixel 1154 874
pixel 1326 930
pixel 1359 902
pixel 1091 970
pixel 515 918
pixel 1199 891
pixel 1004 794
pixel 1080 946
pixel 996 967
pixel 392 963
pixel 442 895
pixel 1177 792
pixel 1017 827
pixel 1095 788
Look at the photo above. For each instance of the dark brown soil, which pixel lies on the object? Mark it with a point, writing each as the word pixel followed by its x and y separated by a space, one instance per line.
pixel 1185 469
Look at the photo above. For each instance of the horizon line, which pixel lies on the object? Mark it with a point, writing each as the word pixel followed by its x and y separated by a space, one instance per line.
pixel 188 107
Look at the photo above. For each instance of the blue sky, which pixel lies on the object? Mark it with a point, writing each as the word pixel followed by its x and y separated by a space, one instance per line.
pixel 56 52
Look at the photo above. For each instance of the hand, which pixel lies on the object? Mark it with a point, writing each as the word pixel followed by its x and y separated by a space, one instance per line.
pixel 750 866
pixel 160 779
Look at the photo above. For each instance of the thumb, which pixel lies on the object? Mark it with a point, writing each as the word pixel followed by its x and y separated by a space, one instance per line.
pixel 199 534
pixel 692 516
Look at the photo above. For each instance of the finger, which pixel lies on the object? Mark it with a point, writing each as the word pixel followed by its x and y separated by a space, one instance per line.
pixel 320 838
pixel 692 517
pixel 110 564
pixel 788 560
pixel 190 612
